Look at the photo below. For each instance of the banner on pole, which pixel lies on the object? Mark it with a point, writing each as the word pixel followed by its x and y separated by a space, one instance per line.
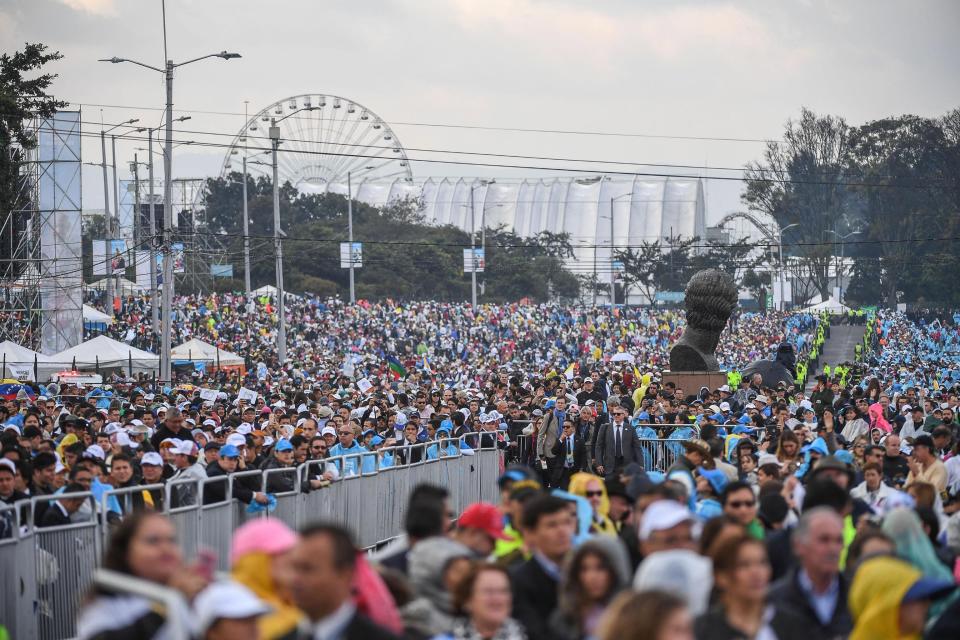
pixel 474 260
pixel 351 255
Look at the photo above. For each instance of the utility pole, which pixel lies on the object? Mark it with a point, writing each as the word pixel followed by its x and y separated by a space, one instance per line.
pixel 473 255
pixel 107 220
pixel 246 215
pixel 154 308
pixel 166 307
pixel 353 294
pixel 136 211
pixel 278 245
pixel 613 273
pixel 115 218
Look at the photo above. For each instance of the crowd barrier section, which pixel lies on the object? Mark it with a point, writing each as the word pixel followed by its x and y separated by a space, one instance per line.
pixel 48 570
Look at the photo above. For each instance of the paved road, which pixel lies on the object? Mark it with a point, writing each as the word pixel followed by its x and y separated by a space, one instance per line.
pixel 838 348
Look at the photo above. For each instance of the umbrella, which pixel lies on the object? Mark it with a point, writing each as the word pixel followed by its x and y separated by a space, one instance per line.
pixel 623 356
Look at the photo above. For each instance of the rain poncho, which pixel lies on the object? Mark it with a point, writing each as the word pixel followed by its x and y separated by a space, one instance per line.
pixel 875 596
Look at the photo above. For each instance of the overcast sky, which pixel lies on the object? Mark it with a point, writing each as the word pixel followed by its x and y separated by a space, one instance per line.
pixel 672 68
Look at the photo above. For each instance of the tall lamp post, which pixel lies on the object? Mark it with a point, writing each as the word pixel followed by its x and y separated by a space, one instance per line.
pixel 277 235
pixel 782 265
pixel 167 300
pixel 613 271
pixel 843 240
pixel 473 240
pixel 107 216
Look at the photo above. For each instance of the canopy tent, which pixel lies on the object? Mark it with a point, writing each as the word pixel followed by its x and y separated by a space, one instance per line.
pixel 832 305
pixel 18 362
pixel 199 351
pixel 95 320
pixel 106 353
pixel 120 285
pixel 270 290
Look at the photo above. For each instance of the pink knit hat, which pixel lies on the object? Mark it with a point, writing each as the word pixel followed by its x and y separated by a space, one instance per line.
pixel 264 535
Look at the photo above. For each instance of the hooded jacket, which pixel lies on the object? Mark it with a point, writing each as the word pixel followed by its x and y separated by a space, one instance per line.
pixel 875 596
pixel 432 610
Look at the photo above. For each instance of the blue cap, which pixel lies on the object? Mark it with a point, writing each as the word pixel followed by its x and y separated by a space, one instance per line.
pixel 716 478
pixel 283 445
pixel 718 417
pixel 928 589
pixel 368 431
pixel 376 441
pixel 229 451
pixel 446 424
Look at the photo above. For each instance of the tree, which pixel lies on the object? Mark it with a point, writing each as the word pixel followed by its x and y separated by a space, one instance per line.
pixel 801 179
pixel 907 192
pixel 21 100
pixel 735 258
pixel 642 266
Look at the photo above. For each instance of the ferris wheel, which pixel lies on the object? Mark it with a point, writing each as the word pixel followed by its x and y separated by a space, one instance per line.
pixel 323 138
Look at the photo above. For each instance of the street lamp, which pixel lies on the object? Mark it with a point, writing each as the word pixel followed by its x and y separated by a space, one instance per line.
pixel 843 239
pixel 107 217
pixel 613 271
pixel 277 242
pixel 353 294
pixel 473 239
pixel 167 301
pixel 782 266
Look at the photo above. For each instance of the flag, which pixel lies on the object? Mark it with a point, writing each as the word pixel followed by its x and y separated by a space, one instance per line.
pixel 396 368
pixel 426 365
pixel 636 373
pixel 568 374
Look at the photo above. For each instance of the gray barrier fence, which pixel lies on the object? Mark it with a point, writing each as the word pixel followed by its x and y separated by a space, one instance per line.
pixel 48 570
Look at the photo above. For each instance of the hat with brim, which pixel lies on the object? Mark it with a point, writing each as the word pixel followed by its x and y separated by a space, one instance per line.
pixel 928 589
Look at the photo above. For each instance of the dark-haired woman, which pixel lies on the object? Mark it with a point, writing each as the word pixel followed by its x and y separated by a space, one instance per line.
pixel 741 575
pixel 144 546
pixel 595 573
pixel 483 600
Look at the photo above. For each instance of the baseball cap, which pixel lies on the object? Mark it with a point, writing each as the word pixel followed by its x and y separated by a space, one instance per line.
pixel 95 451
pixel 229 451
pixel 151 458
pixel 7 463
pixel 225 600
pixel 283 445
pixel 483 516
pixel 186 448
pixel 236 440
pixel 328 431
pixel 663 514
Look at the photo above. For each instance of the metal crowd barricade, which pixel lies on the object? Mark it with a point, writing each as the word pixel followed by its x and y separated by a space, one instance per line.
pixel 18 568
pixel 65 558
pixel 185 517
pixel 289 505
pixel 216 518
pixel 125 496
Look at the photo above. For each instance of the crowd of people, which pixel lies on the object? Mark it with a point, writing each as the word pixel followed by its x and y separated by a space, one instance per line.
pixel 830 513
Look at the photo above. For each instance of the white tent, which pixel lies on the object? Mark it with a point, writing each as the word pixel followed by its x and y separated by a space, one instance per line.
pixel 265 290
pixel 122 285
pixel 107 353
pixel 832 305
pixel 200 351
pixel 93 316
pixel 17 362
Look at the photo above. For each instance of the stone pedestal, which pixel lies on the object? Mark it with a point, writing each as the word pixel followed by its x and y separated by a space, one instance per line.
pixel 691 381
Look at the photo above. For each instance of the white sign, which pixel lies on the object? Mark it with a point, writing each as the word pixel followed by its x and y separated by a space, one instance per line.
pixel 351 255
pixel 21 371
pixel 364 385
pixel 209 394
pixel 248 395
pixel 474 260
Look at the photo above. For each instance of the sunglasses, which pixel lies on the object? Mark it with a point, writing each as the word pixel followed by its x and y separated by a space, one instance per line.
pixel 594 494
pixel 738 504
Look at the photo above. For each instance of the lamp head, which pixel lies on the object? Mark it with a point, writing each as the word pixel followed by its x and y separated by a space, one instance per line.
pixel 227 55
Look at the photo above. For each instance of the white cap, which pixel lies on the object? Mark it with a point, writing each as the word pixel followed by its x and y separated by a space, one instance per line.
pixel 244 428
pixel 725 388
pixel 226 599
pixel 714 408
pixel 750 405
pixel 122 439
pixel 906 409
pixel 762 399
pixel 724 406
pixel 151 458
pixel 663 514
pixel 186 448
pixel 237 440
pixel 209 423
pixel 328 431
pixel 400 420
pixel 111 428
pixel 8 463
pixel 95 451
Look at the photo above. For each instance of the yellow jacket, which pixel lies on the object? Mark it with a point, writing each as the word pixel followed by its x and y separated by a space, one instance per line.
pixel 875 596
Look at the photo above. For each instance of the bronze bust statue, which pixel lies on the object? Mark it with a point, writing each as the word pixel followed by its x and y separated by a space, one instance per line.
pixel 710 298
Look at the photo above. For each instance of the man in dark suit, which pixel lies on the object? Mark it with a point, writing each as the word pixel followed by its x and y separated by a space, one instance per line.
pixel 571 452
pixel 321 584
pixel 59 512
pixel 617 445
pixel 548 526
